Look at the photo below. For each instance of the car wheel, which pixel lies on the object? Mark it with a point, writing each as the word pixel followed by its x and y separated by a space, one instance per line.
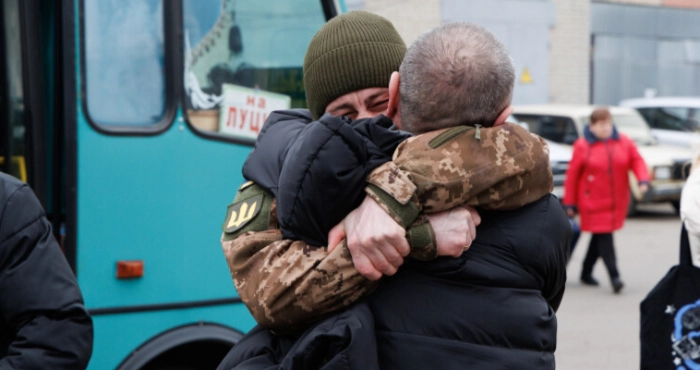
pixel 632 208
pixel 676 206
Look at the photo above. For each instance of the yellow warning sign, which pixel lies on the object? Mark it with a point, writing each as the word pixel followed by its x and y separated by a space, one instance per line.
pixel 525 77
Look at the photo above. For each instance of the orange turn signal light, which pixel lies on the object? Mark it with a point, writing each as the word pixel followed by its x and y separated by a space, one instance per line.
pixel 129 269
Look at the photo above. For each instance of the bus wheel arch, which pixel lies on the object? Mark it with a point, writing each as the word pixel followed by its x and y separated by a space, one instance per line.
pixel 192 346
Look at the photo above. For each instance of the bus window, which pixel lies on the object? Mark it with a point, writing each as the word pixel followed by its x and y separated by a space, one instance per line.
pixel 124 62
pixel 13 149
pixel 243 59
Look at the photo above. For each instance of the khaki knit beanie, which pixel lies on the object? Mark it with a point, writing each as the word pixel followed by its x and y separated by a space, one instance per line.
pixel 351 52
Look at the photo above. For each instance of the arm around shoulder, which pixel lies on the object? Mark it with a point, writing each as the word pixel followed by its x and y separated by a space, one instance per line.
pixel 288 284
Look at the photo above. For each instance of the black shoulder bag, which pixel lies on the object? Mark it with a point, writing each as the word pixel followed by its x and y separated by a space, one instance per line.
pixel 670 317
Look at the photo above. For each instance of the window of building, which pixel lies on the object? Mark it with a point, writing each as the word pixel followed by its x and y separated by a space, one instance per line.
pixel 243 59
pixel 124 62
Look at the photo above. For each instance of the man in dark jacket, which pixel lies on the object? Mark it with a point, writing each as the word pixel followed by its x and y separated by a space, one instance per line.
pixel 43 323
pixel 493 307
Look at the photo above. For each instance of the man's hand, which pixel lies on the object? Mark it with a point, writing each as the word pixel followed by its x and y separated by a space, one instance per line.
pixel 455 230
pixel 377 243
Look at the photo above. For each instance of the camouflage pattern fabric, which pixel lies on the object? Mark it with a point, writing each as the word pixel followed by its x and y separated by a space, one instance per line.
pixel 288 284
pixel 504 169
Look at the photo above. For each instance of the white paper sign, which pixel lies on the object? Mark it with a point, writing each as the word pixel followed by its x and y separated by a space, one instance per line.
pixel 244 110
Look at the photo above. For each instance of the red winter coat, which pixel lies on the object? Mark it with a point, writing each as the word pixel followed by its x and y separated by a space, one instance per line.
pixel 597 182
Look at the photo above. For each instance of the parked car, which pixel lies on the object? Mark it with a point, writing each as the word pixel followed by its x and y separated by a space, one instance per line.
pixel 673 120
pixel 564 124
pixel 559 157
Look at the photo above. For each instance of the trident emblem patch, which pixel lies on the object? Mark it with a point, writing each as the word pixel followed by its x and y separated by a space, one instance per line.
pixel 241 213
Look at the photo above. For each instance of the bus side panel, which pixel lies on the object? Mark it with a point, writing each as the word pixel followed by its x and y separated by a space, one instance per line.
pixel 162 200
pixel 116 336
pixel 159 199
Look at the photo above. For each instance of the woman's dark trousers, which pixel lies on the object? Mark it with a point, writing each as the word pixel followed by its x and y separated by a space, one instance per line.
pixel 601 245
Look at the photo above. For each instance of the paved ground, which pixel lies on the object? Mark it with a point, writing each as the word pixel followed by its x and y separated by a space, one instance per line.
pixel 597 329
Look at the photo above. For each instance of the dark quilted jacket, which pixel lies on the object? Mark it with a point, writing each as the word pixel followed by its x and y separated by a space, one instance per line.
pixel 43 323
pixel 319 175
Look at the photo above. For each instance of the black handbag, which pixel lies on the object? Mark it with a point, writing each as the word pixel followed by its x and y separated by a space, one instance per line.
pixel 670 317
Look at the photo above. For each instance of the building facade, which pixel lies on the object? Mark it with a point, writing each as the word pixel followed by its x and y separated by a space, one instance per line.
pixel 574 51
pixel 639 50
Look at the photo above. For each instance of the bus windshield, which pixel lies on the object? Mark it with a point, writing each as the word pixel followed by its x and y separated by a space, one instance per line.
pixel 243 60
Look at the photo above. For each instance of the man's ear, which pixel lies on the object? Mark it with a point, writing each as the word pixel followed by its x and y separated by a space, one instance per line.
pixel 392 110
pixel 501 119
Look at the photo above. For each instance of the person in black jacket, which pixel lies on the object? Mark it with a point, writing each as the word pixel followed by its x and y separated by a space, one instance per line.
pixel 494 306
pixel 43 323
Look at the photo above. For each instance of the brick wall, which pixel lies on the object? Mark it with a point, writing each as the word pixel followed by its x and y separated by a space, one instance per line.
pixel 569 53
pixel 410 17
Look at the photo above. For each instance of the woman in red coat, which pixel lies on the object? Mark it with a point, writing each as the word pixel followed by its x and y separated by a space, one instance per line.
pixel 597 186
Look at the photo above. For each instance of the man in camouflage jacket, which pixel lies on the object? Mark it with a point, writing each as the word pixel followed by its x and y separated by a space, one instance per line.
pixel 276 275
pixel 496 168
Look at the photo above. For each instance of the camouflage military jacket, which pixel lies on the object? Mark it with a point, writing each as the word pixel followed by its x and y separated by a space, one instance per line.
pixel 495 168
pixel 288 284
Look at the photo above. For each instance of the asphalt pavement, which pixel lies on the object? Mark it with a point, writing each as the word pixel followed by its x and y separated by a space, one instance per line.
pixel 598 329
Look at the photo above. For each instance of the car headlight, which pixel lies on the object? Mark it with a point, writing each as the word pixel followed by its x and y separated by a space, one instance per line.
pixel 662 173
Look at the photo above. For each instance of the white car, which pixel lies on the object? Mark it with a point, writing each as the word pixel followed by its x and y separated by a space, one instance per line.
pixel 559 157
pixel 564 124
pixel 673 120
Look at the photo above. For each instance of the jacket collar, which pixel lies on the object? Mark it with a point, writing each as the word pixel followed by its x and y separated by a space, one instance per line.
pixel 591 138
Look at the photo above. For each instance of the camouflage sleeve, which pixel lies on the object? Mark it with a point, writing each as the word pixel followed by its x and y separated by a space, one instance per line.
pixel 288 284
pixel 503 167
pixel 393 189
pixel 285 284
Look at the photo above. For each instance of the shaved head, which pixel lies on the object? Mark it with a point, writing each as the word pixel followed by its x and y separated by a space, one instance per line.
pixel 455 74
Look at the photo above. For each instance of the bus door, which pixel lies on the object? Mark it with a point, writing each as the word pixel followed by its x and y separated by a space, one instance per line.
pixel 21 126
pixel 168 99
pixel 30 135
pixel 13 145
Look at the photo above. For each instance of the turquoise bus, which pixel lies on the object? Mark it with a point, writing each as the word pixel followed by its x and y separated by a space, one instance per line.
pixel 131 120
